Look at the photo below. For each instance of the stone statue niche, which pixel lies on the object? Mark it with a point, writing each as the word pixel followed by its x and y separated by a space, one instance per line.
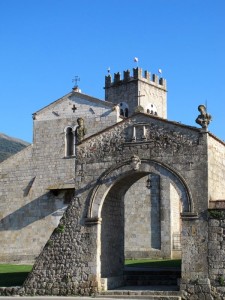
pixel 204 118
pixel 80 130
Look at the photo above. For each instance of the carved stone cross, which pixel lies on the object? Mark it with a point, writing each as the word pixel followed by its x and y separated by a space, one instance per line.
pixel 139 96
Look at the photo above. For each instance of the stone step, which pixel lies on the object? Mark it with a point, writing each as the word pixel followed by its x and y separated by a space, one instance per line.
pixel 156 292
pixel 147 297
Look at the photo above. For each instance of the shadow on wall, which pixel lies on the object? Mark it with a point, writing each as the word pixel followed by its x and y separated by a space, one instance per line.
pixel 105 114
pixel 32 212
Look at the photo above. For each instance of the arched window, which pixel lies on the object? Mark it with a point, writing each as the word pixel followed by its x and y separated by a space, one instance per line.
pixel 124 109
pixel 69 142
pixel 151 109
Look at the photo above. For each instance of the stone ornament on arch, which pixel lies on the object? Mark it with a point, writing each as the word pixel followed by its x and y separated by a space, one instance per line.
pixel 135 162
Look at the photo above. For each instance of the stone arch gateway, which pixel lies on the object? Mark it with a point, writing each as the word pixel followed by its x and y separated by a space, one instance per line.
pixel 75 260
pixel 106 204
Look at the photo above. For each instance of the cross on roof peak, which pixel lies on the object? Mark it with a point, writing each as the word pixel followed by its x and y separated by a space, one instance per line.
pixel 76 79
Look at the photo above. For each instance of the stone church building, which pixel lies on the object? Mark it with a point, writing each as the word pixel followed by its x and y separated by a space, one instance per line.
pixel 105 180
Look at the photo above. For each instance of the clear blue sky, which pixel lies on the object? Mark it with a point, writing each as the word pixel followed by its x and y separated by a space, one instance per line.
pixel 45 43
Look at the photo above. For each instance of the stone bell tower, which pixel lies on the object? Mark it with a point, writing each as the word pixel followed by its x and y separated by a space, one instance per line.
pixel 146 93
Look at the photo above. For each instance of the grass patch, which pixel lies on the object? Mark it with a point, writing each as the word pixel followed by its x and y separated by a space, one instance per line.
pixel 13 275
pixel 154 263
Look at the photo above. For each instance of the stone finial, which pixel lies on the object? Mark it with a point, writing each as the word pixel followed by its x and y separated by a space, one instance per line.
pixel 135 162
pixel 139 108
pixel 116 108
pixel 204 118
pixel 80 130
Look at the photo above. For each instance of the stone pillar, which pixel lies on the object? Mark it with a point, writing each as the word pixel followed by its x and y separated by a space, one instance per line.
pixel 95 241
pixel 195 283
pixel 134 134
pixel 165 218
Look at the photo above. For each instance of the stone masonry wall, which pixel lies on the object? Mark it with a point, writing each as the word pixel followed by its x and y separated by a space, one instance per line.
pixel 154 95
pixel 216 250
pixel 126 92
pixel 216 169
pixel 29 211
pixel 65 267
pixel 213 285
pixel 97 114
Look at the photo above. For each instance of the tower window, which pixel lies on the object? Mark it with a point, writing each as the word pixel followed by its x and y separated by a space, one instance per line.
pixel 124 109
pixel 151 109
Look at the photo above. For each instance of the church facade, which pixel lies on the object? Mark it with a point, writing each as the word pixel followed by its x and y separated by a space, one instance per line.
pixel 104 180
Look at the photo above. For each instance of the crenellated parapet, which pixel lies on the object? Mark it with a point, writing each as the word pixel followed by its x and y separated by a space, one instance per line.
pixel 137 91
pixel 147 77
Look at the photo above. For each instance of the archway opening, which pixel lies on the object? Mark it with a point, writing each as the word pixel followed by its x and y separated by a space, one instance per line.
pixel 112 228
pixel 141 220
pixel 107 208
pixel 148 211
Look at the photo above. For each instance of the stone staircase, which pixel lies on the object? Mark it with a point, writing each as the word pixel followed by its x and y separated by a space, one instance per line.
pixel 148 283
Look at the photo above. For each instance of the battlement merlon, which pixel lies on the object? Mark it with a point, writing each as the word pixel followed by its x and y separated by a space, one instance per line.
pixel 137 75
